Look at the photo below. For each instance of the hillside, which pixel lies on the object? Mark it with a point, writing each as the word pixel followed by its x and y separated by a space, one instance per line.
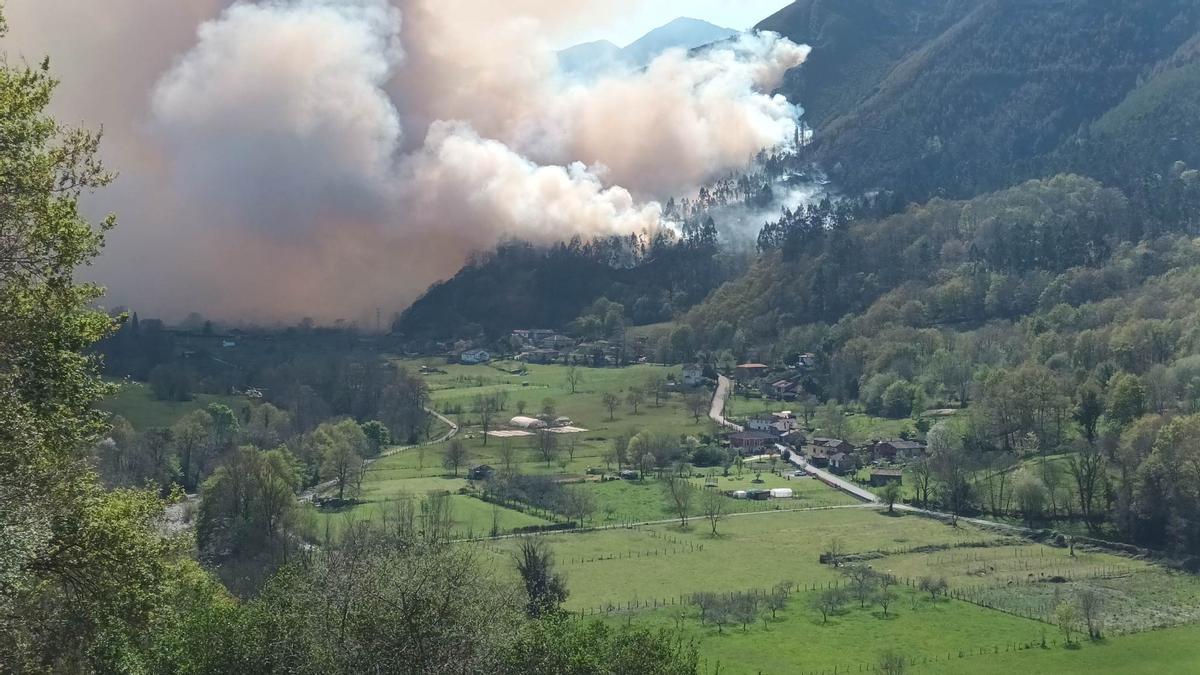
pixel 958 98
pixel 591 58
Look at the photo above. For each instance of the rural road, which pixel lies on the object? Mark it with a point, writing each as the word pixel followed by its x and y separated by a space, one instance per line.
pixel 832 480
pixel 717 411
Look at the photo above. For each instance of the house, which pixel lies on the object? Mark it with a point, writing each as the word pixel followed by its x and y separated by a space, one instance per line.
pixel 475 357
pixel 764 423
pixel 806 361
pixel 881 477
pixel 559 342
pixel 629 474
pixel 522 422
pixel 749 371
pixel 842 462
pixel 832 445
pixel 898 450
pixel 818 457
pixel 751 440
pixel 693 375
pixel 785 388
pixel 480 472
pixel 540 356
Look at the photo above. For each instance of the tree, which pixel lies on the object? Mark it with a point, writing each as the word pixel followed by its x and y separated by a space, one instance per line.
pixel 828 602
pixel 635 398
pixel 574 378
pixel 1066 615
pixel 545 589
pixel 890 494
pixel 891 663
pixel 1090 471
pixel 508 456
pixel 831 418
pixel 862 581
pixel 611 402
pixel 683 341
pixel 1091 608
pixel 191 436
pixel 934 586
pixel 578 505
pixel 225 426
pixel 454 456
pixel 249 502
pixel 488 407
pixel 549 407
pixel 834 550
pixel 679 492
pixel 1126 399
pixel 697 404
pixel 884 598
pixel 1088 411
pixel 547 445
pixel 378 437
pixel 341 446
pixel 778 598
pixel 922 476
pixel 657 386
pixel 713 505
pixel 745 609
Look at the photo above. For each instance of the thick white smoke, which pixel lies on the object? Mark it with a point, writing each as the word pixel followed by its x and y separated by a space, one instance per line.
pixel 325 157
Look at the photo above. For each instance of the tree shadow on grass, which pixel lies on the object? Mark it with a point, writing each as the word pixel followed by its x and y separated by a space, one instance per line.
pixel 890 616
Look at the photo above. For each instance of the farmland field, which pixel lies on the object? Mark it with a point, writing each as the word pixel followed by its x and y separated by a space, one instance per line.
pixel 136 403
pixel 637 565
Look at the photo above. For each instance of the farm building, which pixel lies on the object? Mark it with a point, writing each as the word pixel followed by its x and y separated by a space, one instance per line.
pixel 522 422
pixel 782 493
pixel 480 472
pixel 898 450
pixel 881 477
pixel 693 375
pixel 475 357
pixel 752 440
pixel 842 462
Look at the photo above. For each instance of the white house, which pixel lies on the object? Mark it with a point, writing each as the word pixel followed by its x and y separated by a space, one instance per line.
pixel 693 376
pixel 475 357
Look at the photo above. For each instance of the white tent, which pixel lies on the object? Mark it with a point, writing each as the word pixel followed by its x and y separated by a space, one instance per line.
pixel 781 493
pixel 526 423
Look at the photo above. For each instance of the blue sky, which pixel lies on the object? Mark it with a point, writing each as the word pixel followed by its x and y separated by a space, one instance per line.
pixel 632 24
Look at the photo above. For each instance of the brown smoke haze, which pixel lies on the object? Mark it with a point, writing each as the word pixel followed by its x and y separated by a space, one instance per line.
pixel 289 158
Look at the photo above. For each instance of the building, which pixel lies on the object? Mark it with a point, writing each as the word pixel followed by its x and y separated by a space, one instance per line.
pixel 540 356
pixel 751 440
pixel 765 423
pixel 693 375
pixel 881 477
pixel 842 462
pixel 522 422
pixel 818 457
pixel 832 445
pixel 475 357
pixel 749 371
pixel 898 450
pixel 480 472
pixel 785 389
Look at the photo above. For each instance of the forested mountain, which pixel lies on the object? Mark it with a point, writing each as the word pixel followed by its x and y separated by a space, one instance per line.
pixel 520 285
pixel 962 97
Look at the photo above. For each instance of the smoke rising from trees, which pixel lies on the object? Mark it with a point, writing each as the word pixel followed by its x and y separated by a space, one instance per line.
pixel 321 158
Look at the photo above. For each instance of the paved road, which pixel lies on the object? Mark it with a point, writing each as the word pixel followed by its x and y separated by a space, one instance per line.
pixel 833 481
pixel 717 411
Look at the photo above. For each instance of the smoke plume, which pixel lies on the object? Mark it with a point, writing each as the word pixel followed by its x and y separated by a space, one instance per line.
pixel 289 158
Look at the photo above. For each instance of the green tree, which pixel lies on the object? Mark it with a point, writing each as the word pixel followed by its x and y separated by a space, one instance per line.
pixel 341 446
pixel 1126 400
pixel 1088 411
pixel 890 494
pixel 545 589
pixel 81 568
pixel 378 437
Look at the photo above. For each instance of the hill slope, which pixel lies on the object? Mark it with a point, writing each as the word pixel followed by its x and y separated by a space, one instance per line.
pixel 592 58
pixel 940 97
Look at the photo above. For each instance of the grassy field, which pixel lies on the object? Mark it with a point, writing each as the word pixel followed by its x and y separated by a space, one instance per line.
pixel 1175 650
pixel 1003 588
pixel 799 641
pixel 136 403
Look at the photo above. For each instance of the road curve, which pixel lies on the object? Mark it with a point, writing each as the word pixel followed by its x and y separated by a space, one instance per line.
pixel 717 411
